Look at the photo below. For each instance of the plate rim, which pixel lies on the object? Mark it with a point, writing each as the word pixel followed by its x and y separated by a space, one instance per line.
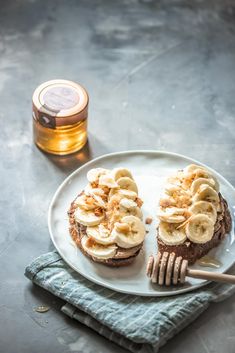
pixel 125 152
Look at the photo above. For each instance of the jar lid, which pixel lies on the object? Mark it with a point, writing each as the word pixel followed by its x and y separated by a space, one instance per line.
pixel 59 103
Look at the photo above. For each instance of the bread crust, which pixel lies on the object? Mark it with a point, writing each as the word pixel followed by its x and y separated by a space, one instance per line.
pixel 192 251
pixel 78 231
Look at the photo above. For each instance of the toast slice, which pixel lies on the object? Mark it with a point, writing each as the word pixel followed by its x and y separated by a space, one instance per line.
pixel 194 217
pixel 123 256
pixel 192 251
pixel 106 218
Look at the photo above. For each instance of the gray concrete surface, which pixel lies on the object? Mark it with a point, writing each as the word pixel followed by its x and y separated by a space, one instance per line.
pixel 161 75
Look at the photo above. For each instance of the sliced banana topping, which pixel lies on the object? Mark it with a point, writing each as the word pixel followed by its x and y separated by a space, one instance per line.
pixel 114 201
pixel 192 167
pixel 110 209
pixel 198 182
pixel 90 202
pixel 204 207
pixel 199 173
pixel 85 202
pixel 191 192
pixel 97 250
pixel 128 184
pixel 120 173
pixel 123 193
pixel 94 174
pixel 100 234
pixel 129 232
pixel 200 228
pixel 128 207
pixel 170 234
pixel 127 203
pixel 131 212
pixel 89 190
pixel 99 201
pixel 172 215
pixel 107 180
pixel 206 193
pixel 189 177
pixel 88 218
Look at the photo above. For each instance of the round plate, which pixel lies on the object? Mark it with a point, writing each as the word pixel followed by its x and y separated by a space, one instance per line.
pixel 150 169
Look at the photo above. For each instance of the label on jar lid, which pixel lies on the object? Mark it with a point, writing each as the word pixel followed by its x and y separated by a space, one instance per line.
pixel 60 98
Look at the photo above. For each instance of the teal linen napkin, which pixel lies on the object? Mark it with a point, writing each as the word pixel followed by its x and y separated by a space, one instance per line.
pixel 138 324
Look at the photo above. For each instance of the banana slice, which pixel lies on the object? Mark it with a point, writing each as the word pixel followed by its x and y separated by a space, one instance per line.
pixel 131 212
pixel 170 235
pixel 172 215
pixel 200 229
pixel 129 207
pixel 89 190
pixel 198 182
pixel 123 193
pixel 129 233
pixel 107 180
pixel 204 207
pixel 192 167
pixel 206 193
pixel 127 184
pixel 97 250
pixel 99 201
pixel 90 202
pixel 87 218
pixel 127 203
pixel 120 173
pixel 125 206
pixel 84 202
pixel 202 172
pixel 100 234
pixel 94 174
pixel 114 201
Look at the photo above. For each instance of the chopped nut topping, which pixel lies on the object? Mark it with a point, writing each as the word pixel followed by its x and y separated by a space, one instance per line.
pixel 98 211
pixel 105 189
pixel 90 242
pixel 90 200
pixel 139 202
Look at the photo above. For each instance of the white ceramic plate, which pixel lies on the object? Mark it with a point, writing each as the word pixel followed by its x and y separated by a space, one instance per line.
pixel 150 169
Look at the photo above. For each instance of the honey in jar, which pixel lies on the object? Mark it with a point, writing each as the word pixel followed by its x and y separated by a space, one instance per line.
pixel 60 111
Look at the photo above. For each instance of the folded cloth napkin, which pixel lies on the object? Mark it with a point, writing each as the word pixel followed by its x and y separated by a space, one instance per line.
pixel 139 324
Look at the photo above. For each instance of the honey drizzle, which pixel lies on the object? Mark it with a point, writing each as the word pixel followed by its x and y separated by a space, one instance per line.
pixel 208 261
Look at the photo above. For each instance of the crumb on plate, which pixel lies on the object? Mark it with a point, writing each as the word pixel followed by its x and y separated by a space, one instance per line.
pixel 148 220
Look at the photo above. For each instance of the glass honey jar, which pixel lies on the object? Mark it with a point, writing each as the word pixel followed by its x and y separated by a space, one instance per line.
pixel 60 112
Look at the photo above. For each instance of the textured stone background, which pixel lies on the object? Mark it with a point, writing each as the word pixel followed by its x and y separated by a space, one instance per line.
pixel 161 75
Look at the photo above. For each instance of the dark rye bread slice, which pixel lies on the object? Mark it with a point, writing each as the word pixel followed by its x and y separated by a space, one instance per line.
pixel 192 251
pixel 123 257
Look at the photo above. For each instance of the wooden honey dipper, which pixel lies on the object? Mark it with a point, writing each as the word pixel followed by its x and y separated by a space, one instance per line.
pixel 167 269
